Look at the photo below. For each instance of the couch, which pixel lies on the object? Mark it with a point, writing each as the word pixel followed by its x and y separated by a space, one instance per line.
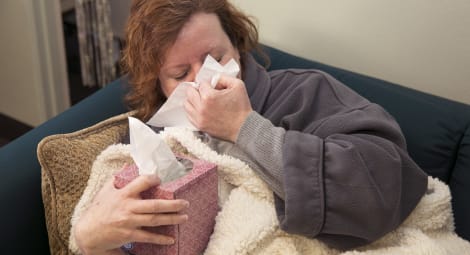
pixel 437 132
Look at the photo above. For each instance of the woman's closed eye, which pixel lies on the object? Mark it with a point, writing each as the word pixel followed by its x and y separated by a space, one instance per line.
pixel 181 76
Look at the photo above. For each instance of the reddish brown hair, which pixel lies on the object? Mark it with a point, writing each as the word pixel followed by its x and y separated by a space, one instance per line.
pixel 153 27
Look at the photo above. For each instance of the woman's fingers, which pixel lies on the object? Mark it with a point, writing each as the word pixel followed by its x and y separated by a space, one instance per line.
pixel 154 220
pixel 219 111
pixel 158 205
pixel 140 184
pixel 193 96
pixel 206 91
pixel 143 236
pixel 227 82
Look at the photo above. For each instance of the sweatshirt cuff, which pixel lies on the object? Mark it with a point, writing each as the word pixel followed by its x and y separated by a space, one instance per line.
pixel 262 141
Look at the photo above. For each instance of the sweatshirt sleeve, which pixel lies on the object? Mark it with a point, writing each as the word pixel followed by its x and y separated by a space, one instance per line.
pixel 261 143
pixel 347 182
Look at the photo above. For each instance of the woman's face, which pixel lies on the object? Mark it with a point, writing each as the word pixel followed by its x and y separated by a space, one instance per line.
pixel 200 36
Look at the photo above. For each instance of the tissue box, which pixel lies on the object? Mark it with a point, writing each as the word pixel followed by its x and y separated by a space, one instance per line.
pixel 199 187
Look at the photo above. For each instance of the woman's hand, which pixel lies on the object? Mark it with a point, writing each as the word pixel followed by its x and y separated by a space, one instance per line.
pixel 116 216
pixel 221 111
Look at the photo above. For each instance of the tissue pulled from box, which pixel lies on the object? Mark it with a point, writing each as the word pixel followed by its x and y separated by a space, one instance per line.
pixel 172 113
pixel 151 154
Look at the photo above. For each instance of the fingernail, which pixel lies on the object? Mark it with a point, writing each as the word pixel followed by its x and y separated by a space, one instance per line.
pixel 170 241
pixel 186 204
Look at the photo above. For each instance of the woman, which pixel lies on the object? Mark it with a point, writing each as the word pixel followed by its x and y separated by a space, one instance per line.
pixel 336 163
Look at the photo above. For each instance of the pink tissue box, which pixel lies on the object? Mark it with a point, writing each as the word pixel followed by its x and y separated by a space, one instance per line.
pixel 199 187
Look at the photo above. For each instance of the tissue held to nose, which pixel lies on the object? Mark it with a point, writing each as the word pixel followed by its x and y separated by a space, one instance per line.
pixel 172 112
pixel 217 103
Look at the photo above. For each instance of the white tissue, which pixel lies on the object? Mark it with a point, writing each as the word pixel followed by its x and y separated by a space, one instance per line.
pixel 212 69
pixel 172 113
pixel 151 154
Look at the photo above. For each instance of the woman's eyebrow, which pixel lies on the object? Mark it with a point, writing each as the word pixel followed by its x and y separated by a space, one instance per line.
pixel 213 50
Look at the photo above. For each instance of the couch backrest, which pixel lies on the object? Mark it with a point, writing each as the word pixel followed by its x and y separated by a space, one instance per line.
pixel 437 130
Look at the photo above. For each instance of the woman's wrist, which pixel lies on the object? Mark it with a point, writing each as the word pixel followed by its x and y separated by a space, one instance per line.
pixel 87 249
pixel 237 128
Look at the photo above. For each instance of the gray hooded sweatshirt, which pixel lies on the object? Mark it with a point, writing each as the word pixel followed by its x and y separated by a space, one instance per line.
pixel 337 163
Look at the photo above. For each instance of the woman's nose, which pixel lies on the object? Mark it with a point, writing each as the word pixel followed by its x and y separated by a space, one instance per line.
pixel 195 70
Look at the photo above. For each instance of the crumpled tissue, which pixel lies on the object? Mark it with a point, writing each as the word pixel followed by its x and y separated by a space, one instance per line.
pixel 151 154
pixel 172 113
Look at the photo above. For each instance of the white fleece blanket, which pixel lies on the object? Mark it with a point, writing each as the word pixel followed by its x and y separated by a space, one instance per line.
pixel 247 222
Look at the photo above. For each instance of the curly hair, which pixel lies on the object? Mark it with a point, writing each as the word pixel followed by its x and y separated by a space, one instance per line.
pixel 153 27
